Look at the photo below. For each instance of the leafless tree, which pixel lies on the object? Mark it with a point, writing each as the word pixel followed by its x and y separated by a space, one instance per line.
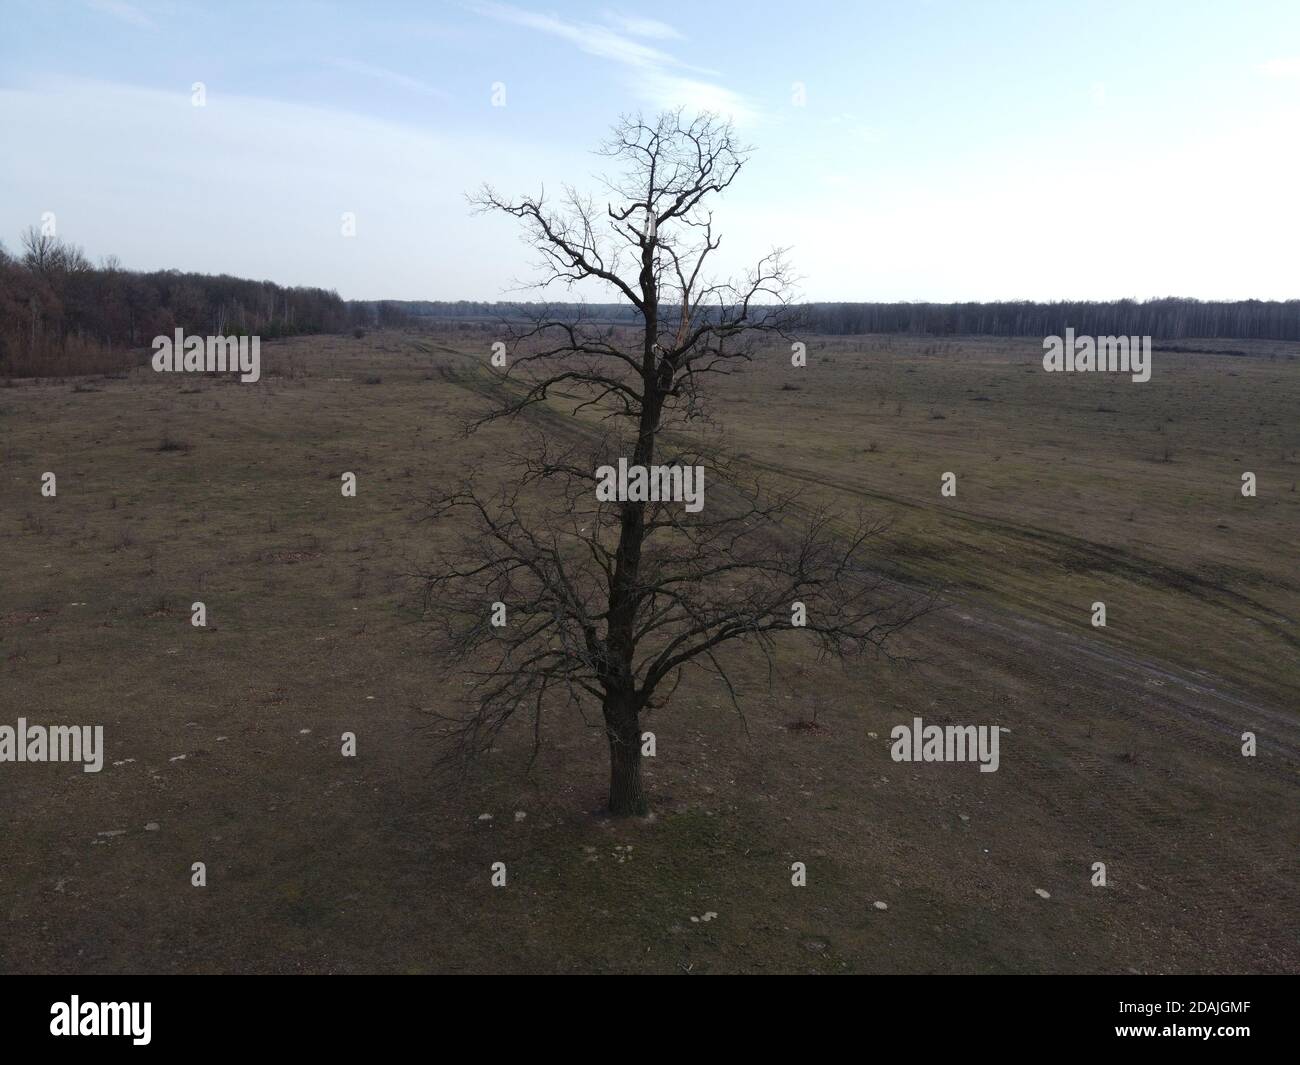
pixel 609 603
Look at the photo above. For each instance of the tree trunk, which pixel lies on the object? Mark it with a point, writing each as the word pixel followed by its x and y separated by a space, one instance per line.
pixel 626 794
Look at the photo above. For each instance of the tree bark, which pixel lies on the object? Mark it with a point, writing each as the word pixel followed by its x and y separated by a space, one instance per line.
pixel 626 794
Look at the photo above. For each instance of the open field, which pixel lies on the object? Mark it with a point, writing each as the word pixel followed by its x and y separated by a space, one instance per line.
pixel 1123 744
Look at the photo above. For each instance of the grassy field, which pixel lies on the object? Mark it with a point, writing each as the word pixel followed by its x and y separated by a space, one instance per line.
pixel 1123 743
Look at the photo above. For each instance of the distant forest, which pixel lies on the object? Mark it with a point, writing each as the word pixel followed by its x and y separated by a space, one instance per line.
pixel 1168 318
pixel 62 315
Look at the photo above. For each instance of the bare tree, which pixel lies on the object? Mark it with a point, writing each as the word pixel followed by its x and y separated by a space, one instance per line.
pixel 608 603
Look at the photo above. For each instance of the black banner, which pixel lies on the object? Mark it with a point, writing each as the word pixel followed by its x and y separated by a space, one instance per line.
pixel 143 1015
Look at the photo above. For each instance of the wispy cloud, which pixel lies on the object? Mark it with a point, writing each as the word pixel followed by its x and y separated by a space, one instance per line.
pixel 391 77
pixel 119 9
pixel 1287 67
pixel 669 90
pixel 274 207
pixel 642 27
pixel 589 37
pixel 660 78
pixel 850 128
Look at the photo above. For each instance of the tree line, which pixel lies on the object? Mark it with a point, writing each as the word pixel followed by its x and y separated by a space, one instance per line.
pixel 62 314
pixel 1166 318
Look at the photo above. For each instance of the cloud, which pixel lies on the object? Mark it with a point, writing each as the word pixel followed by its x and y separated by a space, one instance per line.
pixel 669 91
pixel 660 78
pixel 119 9
pixel 592 39
pixel 851 129
pixel 256 187
pixel 642 27
pixel 1288 67
pixel 390 77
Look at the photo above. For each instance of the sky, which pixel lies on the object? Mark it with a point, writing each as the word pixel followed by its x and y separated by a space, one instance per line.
pixel 904 150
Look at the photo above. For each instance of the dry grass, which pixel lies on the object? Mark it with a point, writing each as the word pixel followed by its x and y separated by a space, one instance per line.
pixel 319 863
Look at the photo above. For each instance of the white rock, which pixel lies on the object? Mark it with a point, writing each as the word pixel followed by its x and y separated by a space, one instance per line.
pixel 880 905
pixel 1041 893
pixel 152 826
